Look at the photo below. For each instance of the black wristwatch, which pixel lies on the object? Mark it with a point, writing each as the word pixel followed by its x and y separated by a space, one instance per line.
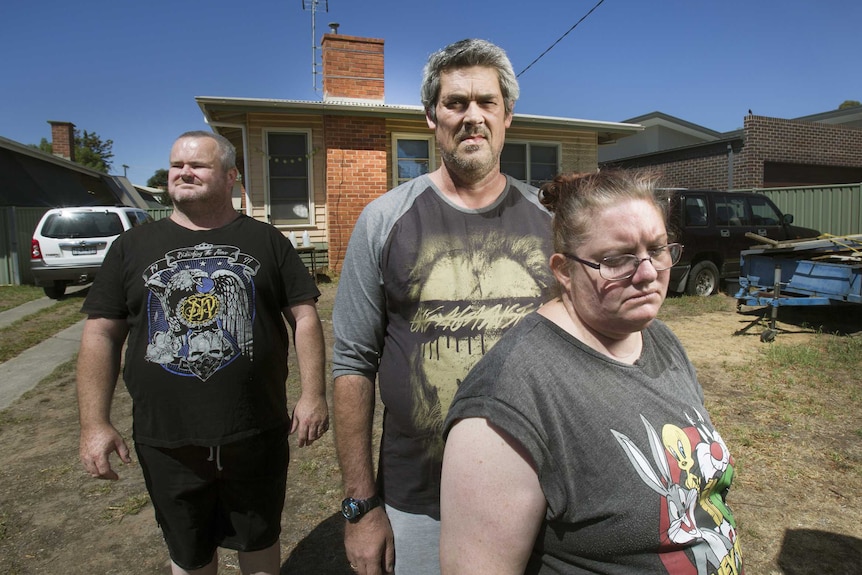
pixel 354 509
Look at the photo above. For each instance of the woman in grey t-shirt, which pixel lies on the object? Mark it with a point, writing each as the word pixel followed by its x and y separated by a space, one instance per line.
pixel 580 442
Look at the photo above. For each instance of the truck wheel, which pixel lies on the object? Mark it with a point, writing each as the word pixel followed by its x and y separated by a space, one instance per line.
pixel 55 290
pixel 703 279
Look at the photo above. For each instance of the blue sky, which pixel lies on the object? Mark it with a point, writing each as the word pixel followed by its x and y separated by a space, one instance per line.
pixel 130 71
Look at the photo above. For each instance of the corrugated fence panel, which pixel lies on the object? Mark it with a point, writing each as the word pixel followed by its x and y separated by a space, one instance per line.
pixel 835 209
pixel 18 227
pixel 7 255
pixel 160 213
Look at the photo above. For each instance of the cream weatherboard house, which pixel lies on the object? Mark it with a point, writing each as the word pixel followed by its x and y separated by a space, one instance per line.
pixel 309 167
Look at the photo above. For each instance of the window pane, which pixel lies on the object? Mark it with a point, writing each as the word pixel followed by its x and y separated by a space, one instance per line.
pixel 409 169
pixel 289 199
pixel 287 155
pixel 543 154
pixel 288 179
pixel 543 164
pixel 413 158
pixel 542 172
pixel 513 161
pixel 412 149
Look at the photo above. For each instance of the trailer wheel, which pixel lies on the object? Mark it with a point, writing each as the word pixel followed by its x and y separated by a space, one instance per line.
pixel 703 279
pixel 768 335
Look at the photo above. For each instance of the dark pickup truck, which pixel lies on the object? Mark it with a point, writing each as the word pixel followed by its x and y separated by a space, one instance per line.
pixel 712 224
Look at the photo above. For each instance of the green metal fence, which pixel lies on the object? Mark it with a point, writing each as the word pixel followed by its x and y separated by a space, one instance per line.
pixel 160 213
pixel 835 209
pixel 18 225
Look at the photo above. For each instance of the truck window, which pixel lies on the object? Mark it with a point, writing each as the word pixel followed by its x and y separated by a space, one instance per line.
pixel 763 213
pixel 730 212
pixel 695 212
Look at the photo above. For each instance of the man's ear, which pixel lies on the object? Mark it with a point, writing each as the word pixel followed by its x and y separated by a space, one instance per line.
pixel 432 123
pixel 509 115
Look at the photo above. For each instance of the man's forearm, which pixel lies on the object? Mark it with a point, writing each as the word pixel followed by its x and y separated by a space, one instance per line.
pixel 353 399
pixel 310 354
pixel 98 369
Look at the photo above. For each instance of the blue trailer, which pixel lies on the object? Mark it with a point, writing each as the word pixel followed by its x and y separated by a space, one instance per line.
pixel 821 271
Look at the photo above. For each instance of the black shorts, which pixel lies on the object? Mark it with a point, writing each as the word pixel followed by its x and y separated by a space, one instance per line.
pixel 200 507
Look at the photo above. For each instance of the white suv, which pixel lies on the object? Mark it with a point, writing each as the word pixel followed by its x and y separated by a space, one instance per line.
pixel 69 244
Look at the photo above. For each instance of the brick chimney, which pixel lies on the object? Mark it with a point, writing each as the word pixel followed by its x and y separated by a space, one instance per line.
pixel 352 68
pixel 63 139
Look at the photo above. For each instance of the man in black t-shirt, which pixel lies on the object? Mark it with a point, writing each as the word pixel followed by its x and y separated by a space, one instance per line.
pixel 202 297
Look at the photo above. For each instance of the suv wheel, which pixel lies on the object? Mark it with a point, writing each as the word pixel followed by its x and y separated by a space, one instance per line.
pixel 703 279
pixel 55 290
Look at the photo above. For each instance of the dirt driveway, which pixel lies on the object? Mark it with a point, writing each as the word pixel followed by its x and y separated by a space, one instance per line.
pixel 56 520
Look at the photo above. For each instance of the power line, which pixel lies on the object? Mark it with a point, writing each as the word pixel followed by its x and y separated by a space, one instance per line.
pixel 551 47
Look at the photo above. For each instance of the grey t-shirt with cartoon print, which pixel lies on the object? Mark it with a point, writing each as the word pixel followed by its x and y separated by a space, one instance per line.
pixel 633 471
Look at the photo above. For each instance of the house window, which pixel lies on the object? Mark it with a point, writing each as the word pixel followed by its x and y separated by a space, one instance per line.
pixel 530 162
pixel 289 166
pixel 414 156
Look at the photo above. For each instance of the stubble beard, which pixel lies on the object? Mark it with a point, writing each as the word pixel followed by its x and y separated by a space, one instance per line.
pixel 469 163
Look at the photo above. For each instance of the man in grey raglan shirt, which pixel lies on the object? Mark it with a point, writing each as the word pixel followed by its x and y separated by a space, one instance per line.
pixel 435 272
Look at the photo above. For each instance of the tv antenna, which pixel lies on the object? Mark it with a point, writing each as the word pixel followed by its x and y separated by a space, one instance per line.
pixel 311 5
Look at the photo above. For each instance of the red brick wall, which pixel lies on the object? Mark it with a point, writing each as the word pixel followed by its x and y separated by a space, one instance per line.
pixel 352 67
pixel 786 141
pixel 765 140
pixel 63 139
pixel 699 173
pixel 355 175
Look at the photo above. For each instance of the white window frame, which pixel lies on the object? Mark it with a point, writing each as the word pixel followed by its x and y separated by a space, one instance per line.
pixel 528 145
pixel 310 173
pixel 432 151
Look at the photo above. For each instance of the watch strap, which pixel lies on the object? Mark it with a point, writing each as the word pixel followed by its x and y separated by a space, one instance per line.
pixel 353 509
pixel 366 505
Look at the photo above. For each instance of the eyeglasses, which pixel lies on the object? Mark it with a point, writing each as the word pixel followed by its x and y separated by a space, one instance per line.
pixel 624 266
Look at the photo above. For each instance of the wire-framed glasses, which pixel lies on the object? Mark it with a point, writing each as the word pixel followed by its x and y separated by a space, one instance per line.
pixel 624 266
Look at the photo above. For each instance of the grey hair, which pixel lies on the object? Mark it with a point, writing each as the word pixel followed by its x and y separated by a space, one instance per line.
pixel 463 54
pixel 226 150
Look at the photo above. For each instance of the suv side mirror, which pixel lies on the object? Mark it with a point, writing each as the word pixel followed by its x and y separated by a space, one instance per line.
pixel 788 219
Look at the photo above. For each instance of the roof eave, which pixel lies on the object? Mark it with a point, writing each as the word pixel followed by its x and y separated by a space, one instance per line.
pixel 607 131
pixel 20 148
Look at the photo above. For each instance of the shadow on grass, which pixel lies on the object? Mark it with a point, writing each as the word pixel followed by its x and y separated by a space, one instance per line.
pixel 321 552
pixel 838 319
pixel 808 551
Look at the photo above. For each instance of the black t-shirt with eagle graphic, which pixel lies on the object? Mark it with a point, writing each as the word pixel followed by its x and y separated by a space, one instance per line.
pixel 206 362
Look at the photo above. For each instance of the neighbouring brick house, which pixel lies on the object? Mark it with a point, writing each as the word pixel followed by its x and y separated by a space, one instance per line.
pixel 767 152
pixel 312 166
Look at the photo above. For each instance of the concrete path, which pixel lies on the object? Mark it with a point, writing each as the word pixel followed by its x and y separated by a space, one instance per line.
pixel 12 315
pixel 23 372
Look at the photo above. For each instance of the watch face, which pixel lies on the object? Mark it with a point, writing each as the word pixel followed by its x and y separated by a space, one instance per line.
pixel 349 509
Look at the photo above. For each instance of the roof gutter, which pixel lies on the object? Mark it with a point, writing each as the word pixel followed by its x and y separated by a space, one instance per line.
pixel 607 131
